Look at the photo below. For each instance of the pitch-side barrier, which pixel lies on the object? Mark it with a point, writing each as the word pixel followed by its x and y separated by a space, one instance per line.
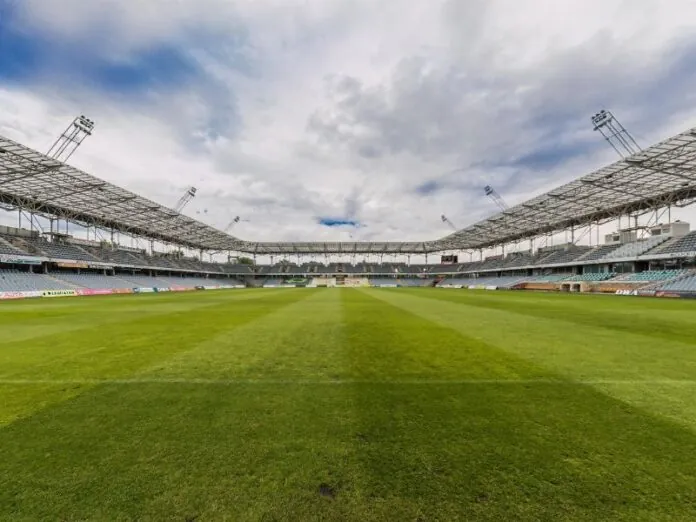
pixel 81 292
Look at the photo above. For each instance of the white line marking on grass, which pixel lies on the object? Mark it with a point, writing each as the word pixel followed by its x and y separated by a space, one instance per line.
pixel 338 382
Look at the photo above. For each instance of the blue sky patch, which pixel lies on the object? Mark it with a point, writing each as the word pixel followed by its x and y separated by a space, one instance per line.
pixel 338 222
pixel 28 56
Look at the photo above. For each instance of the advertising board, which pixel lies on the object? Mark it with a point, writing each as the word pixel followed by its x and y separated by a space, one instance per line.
pixel 19 295
pixel 94 291
pixel 58 293
pixel 17 260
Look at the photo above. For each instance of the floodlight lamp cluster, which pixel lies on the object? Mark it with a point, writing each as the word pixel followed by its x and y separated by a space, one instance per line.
pixel 84 124
pixel 601 118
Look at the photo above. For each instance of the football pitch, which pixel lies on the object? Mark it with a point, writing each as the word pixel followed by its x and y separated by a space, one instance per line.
pixel 348 404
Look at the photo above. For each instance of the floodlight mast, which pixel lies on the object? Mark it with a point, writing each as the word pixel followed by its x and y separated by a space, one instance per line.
pixel 615 134
pixel 73 136
pixel 188 196
pixel 236 220
pixel 445 219
pixel 493 194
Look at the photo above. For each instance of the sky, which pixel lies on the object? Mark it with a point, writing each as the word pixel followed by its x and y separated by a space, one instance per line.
pixel 344 120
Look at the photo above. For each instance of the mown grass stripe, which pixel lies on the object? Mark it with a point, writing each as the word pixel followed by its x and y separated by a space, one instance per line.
pixel 339 382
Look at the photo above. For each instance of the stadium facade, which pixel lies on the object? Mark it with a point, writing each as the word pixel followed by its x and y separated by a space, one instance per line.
pixel 652 255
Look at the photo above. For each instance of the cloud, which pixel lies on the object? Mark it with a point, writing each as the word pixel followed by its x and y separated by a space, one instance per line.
pixel 387 114
pixel 429 187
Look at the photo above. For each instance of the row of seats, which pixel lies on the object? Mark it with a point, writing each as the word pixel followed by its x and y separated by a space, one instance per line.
pixel 415 282
pixel 58 250
pixel 635 249
pixel 686 284
pixel 563 256
pixel 16 281
pixel 647 276
pixel 7 248
pixel 376 281
pixel 685 245
pixel 552 278
pixel 652 275
pixel 499 282
pixel 592 277
pixel 598 253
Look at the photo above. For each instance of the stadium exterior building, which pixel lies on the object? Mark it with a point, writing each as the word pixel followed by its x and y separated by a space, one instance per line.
pixel 652 255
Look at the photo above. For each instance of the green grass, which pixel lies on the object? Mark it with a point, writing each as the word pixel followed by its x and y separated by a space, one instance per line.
pixel 405 404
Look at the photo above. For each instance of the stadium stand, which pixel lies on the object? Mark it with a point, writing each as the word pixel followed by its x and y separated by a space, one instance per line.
pixel 143 281
pixel 55 250
pixel 353 269
pixel 109 255
pixel 7 248
pixel 380 281
pixel 636 248
pixel 499 282
pixel 16 281
pixel 384 268
pixel 598 253
pixel 549 278
pixel 417 269
pixel 518 259
pixel 297 270
pixel 190 282
pixel 563 256
pixel 443 269
pixel 685 284
pixel 590 277
pixel 92 281
pixel 324 269
pixel 456 281
pixel 492 262
pixel 649 275
pixel 416 282
pixel 683 245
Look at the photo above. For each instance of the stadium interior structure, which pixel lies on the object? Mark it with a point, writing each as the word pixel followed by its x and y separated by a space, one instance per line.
pixel 649 255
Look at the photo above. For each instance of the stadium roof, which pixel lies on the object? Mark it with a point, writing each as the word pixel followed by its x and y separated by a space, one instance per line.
pixel 357 247
pixel 664 174
pixel 40 184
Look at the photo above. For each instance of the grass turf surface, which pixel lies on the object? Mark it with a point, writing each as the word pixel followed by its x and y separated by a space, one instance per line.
pixel 348 404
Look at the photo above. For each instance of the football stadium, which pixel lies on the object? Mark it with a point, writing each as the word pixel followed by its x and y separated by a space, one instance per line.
pixel 554 382
pixel 537 363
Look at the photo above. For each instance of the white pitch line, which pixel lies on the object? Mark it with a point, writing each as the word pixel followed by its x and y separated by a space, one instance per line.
pixel 339 382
